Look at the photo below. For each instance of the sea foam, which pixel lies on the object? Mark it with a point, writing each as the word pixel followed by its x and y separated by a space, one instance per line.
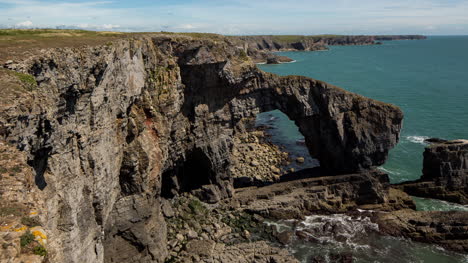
pixel 417 139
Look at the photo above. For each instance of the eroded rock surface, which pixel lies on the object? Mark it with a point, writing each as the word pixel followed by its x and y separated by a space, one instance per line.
pixel 111 130
pixel 321 194
pixel 445 172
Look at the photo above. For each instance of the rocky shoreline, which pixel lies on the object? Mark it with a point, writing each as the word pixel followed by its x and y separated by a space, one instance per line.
pixel 131 151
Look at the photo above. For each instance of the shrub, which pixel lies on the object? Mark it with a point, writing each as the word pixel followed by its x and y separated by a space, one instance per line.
pixel 26 238
pixel 196 206
pixel 40 250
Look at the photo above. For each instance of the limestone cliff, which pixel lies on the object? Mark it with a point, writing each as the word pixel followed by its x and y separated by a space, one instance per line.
pixel 111 130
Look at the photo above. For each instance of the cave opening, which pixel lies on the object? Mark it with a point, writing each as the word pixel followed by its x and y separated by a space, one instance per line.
pixel 188 174
pixel 284 133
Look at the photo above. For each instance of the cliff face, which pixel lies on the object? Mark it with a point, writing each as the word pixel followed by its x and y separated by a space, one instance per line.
pixel 312 43
pixel 111 130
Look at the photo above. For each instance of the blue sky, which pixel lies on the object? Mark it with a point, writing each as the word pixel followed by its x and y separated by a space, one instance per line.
pixel 432 17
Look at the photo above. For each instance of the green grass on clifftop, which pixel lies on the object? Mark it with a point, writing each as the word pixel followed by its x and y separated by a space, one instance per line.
pixel 297 38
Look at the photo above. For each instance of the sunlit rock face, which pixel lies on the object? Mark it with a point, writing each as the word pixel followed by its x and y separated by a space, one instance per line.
pixel 113 129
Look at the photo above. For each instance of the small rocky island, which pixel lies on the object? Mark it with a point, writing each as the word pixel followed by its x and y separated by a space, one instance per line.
pixel 445 172
pixel 128 151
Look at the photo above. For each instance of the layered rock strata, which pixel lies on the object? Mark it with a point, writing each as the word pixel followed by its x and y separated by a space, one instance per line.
pixel 295 198
pixel 112 130
pixel 445 172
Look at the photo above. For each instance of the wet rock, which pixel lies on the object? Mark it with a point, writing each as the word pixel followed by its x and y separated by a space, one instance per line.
pixel 300 160
pixel 285 237
pixel 273 60
pixel 446 229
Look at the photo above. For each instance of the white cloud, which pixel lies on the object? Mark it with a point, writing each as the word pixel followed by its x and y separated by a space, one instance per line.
pixel 110 26
pixel 247 16
pixel 186 26
pixel 25 24
pixel 90 26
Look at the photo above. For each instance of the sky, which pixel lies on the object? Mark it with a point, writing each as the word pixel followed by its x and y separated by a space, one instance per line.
pixel 243 17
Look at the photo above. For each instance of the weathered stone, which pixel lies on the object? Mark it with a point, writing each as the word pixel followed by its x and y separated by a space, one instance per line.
pixel 192 234
pixel 300 160
pixel 167 208
pixel 202 248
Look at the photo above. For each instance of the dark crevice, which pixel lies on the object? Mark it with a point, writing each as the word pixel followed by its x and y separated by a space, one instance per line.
pixel 98 72
pixel 41 152
pixel 186 176
pixel 39 164
pixel 70 97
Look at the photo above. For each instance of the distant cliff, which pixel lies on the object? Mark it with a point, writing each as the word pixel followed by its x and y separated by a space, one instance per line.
pixel 260 47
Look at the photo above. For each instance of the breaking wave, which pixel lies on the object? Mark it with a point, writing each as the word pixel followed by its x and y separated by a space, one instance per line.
pixel 417 139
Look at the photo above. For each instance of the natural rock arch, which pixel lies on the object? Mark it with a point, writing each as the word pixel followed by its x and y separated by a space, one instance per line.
pixel 344 131
pixel 141 104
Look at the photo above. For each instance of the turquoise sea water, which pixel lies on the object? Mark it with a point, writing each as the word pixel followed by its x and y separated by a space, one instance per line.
pixel 427 79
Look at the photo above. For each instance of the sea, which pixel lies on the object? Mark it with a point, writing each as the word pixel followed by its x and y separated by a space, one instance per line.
pixel 428 80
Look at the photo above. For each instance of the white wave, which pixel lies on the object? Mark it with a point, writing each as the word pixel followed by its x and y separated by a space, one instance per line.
pixel 417 139
pixel 264 63
pixel 339 230
pixel 388 171
pixel 294 61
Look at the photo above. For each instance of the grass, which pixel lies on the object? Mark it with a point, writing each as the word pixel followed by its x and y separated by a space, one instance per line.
pixel 53 32
pixel 11 210
pixel 28 81
pixel 20 43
